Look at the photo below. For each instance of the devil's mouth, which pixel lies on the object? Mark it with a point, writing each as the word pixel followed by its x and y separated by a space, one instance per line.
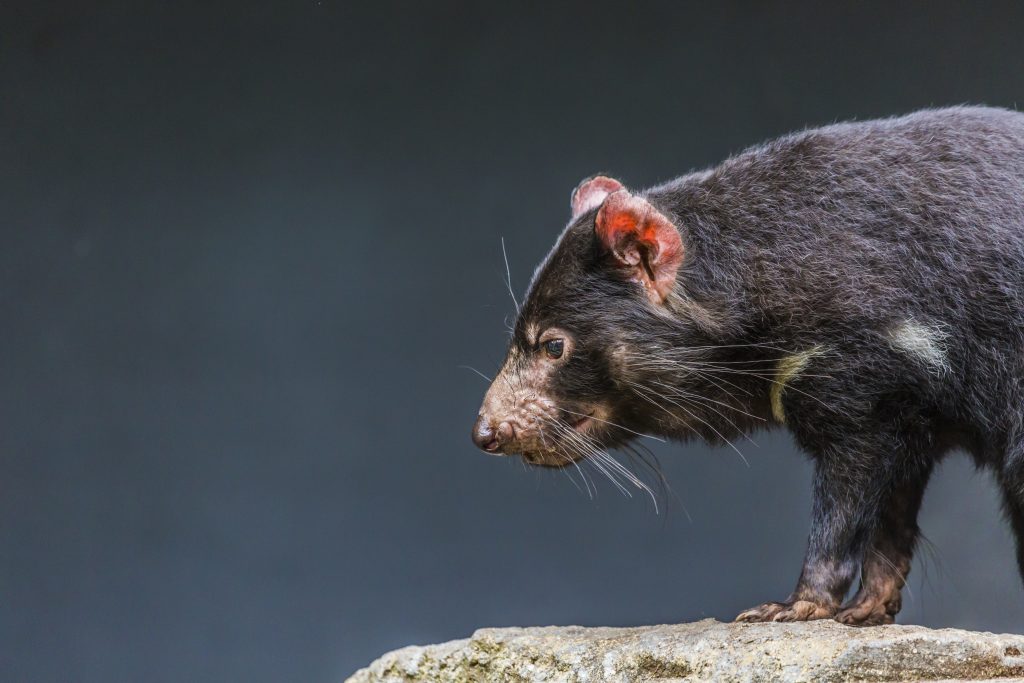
pixel 557 459
pixel 580 421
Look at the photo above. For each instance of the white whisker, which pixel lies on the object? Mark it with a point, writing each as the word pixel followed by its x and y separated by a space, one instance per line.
pixel 472 369
pixel 691 414
pixel 508 275
pixel 604 462
pixel 613 424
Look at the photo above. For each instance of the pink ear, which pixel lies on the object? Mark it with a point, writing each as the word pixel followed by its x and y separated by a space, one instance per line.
pixel 591 192
pixel 643 241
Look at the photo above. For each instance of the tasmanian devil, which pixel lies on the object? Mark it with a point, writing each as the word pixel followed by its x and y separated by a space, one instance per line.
pixel 861 284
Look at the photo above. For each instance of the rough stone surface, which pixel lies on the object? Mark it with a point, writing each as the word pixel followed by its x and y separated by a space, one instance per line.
pixel 708 651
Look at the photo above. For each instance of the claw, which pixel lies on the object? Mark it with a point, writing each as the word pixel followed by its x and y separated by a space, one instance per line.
pixel 797 610
pixel 866 613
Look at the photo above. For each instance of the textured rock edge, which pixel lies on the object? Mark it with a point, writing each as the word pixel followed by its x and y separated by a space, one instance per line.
pixel 708 650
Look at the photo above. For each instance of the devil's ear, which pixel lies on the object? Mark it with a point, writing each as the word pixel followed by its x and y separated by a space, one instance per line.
pixel 643 242
pixel 591 192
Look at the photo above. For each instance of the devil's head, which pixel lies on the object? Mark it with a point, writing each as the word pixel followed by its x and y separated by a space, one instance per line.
pixel 598 311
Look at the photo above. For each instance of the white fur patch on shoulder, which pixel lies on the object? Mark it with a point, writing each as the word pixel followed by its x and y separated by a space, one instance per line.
pixel 925 343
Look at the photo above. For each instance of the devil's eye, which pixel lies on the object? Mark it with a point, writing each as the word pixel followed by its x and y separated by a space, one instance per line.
pixel 554 348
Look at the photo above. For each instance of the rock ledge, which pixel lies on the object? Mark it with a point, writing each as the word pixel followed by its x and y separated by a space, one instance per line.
pixel 708 651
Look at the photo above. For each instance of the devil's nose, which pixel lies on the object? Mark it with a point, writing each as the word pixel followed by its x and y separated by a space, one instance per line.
pixel 484 436
pixel 488 438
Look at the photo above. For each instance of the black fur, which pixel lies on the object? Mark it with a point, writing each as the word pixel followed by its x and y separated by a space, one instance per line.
pixel 831 240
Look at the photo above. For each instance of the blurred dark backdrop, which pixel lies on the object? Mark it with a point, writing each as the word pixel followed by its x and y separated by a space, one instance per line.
pixel 245 249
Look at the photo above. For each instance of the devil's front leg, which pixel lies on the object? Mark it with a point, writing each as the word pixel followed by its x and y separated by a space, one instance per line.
pixel 887 558
pixel 849 480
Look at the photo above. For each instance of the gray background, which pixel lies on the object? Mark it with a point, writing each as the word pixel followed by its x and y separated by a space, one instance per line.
pixel 245 249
